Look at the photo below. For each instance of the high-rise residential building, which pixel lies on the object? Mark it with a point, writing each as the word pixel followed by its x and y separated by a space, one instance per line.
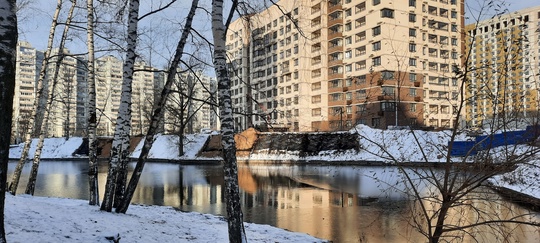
pixel 67 116
pixel 28 66
pixel 108 92
pixel 313 65
pixel 192 104
pixel 503 56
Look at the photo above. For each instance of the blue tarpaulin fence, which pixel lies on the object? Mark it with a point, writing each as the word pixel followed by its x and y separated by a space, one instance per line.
pixel 464 148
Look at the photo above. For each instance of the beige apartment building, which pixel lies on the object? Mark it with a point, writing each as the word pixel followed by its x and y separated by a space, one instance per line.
pixel 503 56
pixel 315 65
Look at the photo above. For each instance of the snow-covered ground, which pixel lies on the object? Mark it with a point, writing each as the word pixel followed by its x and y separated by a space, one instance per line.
pixel 40 219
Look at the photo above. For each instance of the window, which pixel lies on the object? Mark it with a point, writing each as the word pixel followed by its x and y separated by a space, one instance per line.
pixel 388 91
pixel 453 14
pixel 360 108
pixel 454 42
pixel 315 99
pixel 348 54
pixel 376 61
pixel 412 47
pixel 412 17
pixel 412 92
pixel 412 107
pixel 376 2
pixel 412 32
pixel 348 26
pixel 376 31
pixel 376 46
pixel 412 77
pixel 361 79
pixel 387 75
pixel 454 27
pixel 387 13
pixel 388 106
pixel 412 62
pixel 316 112
pixel 412 3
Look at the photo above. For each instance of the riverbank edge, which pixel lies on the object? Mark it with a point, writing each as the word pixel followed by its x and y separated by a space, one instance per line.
pixel 518 197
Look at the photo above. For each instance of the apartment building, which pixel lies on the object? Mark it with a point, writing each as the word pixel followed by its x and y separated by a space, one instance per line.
pixel 191 106
pixel 503 56
pixel 108 91
pixel 343 62
pixel 28 66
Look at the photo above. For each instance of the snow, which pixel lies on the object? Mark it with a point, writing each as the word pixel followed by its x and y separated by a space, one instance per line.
pixel 24 221
pixel 41 219
pixel 166 147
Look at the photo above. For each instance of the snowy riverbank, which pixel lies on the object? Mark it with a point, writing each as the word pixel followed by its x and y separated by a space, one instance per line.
pixel 374 145
pixel 40 219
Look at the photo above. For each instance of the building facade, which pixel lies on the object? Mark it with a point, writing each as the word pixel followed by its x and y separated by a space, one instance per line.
pixel 28 66
pixel 343 62
pixel 503 54
pixel 192 105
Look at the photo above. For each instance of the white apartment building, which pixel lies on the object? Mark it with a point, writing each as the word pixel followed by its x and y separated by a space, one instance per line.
pixel 108 91
pixel 503 56
pixel 28 66
pixel 195 113
pixel 343 62
pixel 67 115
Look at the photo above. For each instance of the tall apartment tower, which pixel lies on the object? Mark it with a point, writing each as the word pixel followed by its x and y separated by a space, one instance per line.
pixel 108 92
pixel 504 59
pixel 28 66
pixel 191 114
pixel 343 62
pixel 67 115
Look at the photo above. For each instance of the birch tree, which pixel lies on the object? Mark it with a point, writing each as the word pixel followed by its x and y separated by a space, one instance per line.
pixel 92 117
pixel 158 111
pixel 51 93
pixel 232 192
pixel 117 173
pixel 39 94
pixel 8 50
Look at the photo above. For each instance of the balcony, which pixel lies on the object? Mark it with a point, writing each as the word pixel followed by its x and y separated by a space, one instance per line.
pixel 336 48
pixel 337 75
pixel 335 62
pixel 417 84
pixel 334 34
pixel 334 21
pixel 334 7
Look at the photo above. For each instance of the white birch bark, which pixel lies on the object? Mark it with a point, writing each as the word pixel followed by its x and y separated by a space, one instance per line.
pixel 92 117
pixel 232 191
pixel 30 187
pixel 117 173
pixel 158 112
pixel 39 93
pixel 8 51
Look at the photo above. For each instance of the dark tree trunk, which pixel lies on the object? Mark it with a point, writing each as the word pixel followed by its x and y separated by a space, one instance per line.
pixel 8 52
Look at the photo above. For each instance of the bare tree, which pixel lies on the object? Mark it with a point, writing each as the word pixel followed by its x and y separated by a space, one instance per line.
pixel 158 112
pixel 57 66
pixel 232 191
pixel 117 173
pixel 8 52
pixel 39 95
pixel 92 117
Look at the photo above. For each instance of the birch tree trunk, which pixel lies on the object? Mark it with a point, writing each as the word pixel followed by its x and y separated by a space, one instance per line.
pixel 232 192
pixel 116 176
pixel 39 93
pixel 8 51
pixel 92 117
pixel 30 187
pixel 158 112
